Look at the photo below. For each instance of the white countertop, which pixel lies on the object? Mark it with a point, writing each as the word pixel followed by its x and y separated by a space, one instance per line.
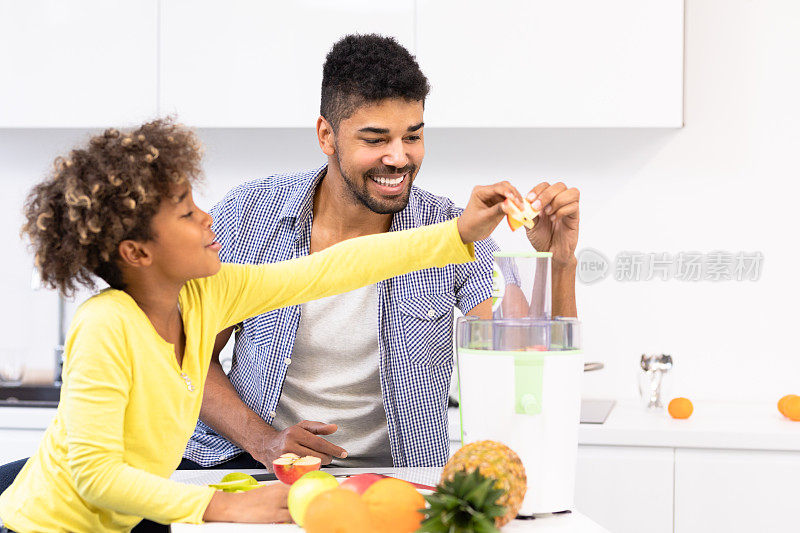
pixel 569 523
pixel 26 417
pixel 573 522
pixel 718 425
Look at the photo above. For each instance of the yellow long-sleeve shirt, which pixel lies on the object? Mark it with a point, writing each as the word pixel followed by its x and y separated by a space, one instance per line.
pixel 126 409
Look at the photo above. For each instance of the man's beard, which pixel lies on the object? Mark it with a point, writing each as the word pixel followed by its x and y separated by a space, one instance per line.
pixel 361 193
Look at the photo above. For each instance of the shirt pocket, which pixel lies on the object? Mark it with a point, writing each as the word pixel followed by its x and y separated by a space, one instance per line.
pixel 260 329
pixel 428 327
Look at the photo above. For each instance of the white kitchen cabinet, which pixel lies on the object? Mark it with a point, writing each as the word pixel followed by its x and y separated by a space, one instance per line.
pixel 249 63
pixel 544 63
pixel 626 489
pixel 18 443
pixel 736 491
pixel 82 63
pixel 21 429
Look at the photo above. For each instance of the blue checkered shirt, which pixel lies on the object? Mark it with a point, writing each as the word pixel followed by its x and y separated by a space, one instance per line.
pixel 269 220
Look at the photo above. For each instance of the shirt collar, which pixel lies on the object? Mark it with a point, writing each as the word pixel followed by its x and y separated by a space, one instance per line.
pixel 301 201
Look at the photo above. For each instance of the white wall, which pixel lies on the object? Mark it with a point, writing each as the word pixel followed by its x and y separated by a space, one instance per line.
pixel 726 181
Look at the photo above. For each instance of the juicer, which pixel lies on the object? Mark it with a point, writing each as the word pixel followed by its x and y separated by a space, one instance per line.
pixel 519 377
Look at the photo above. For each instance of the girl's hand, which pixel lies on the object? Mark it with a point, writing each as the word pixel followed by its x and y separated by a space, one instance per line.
pixel 485 210
pixel 263 505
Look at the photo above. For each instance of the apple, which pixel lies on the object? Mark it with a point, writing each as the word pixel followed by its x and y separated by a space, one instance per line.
pixel 519 217
pixel 289 467
pixel 306 489
pixel 361 482
pixel 236 482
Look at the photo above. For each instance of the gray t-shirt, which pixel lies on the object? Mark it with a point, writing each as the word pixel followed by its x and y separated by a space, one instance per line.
pixel 333 376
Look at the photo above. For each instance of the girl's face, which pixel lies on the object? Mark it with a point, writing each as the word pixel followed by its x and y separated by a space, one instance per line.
pixel 183 247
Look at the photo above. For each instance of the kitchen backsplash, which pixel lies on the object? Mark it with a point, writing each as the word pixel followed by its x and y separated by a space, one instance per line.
pixel 644 191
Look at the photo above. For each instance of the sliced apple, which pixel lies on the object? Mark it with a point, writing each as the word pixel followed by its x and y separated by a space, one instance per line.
pixel 519 217
pixel 290 456
pixel 290 467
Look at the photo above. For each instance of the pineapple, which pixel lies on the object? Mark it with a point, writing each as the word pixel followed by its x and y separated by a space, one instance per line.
pixel 495 461
pixel 467 503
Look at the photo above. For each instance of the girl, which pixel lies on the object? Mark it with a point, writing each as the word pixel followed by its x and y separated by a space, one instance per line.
pixel 137 354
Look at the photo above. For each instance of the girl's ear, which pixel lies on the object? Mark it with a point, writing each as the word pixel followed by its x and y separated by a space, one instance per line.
pixel 325 136
pixel 134 253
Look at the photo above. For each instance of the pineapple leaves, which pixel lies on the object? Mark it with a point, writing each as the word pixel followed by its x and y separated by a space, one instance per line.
pixel 467 503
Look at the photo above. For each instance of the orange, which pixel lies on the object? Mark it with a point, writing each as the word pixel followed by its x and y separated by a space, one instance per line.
pixel 337 511
pixel 782 403
pixel 791 408
pixel 394 506
pixel 680 408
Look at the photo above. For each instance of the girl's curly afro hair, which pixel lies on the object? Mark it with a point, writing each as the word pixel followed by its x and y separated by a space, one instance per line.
pixel 102 194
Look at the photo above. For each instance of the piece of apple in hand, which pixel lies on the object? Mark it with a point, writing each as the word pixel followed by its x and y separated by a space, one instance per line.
pixel 519 217
pixel 290 467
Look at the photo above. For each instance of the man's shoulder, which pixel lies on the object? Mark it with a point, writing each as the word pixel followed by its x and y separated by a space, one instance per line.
pixel 269 193
pixel 428 208
pixel 431 208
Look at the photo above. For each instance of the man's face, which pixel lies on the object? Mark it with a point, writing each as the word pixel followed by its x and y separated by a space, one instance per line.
pixel 379 150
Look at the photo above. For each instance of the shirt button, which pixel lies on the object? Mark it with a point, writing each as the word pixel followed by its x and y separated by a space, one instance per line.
pixel 431 313
pixel 272 414
pixel 287 361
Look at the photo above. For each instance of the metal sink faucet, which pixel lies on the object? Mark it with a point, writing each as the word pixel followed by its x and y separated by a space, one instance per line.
pixel 651 383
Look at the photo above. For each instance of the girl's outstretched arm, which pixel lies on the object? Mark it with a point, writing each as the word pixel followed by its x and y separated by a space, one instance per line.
pixel 250 290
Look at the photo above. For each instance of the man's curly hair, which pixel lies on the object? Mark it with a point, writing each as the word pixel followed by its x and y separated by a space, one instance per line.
pixel 363 69
pixel 102 194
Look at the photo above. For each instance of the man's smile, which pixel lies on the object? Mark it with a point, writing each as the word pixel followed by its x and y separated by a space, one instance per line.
pixel 390 183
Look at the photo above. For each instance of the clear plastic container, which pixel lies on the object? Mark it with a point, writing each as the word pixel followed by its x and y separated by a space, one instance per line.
pixel 521 285
pixel 519 334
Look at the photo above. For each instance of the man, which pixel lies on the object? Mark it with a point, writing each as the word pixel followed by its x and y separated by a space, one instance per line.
pixel 359 379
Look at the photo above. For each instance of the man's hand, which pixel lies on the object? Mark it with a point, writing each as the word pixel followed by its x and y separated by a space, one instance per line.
pixel 303 439
pixel 556 228
pixel 228 415
pixel 485 210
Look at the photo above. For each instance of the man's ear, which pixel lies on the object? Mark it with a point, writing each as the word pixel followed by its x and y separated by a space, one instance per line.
pixel 325 136
pixel 134 253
